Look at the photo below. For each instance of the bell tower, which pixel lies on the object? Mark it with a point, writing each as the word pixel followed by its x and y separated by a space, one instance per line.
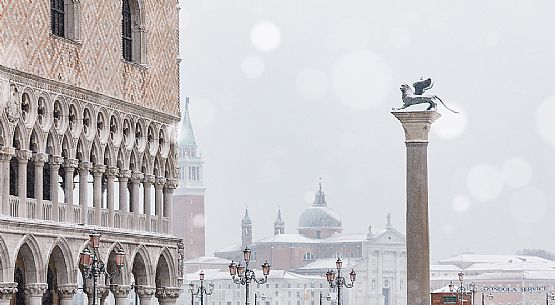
pixel 246 229
pixel 279 224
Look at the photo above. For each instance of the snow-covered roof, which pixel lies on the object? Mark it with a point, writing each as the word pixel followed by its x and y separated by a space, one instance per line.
pixel 230 248
pixel 487 258
pixel 288 238
pixel 206 260
pixel 356 237
pixel 217 274
pixel 446 289
pixel 515 275
pixel 516 266
pixel 329 263
pixel 444 268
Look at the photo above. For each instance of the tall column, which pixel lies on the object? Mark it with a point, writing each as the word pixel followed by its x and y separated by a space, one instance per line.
pixel 171 185
pixel 110 178
pixel 147 185
pixel 417 125
pixel 159 201
pixel 167 295
pixel 5 157
pixel 84 168
pixel 55 162
pixel 23 157
pixel 135 180
pixel 123 178
pixel 69 167
pixel 120 293
pixel 97 173
pixel 34 293
pixel 7 291
pixel 66 293
pixel 145 294
pixel 38 161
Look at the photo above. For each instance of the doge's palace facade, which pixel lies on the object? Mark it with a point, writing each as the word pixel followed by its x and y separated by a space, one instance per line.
pixel 89 104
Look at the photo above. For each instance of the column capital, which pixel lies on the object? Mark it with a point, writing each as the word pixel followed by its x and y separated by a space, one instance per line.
pixel 112 171
pixel 71 163
pixel 36 289
pixel 120 291
pixel 98 169
pixel 23 155
pixel 168 292
pixel 66 290
pixel 88 289
pixel 7 290
pixel 85 166
pixel 160 181
pixel 416 124
pixel 124 173
pixel 171 183
pixel 39 158
pixel 145 291
pixel 137 176
pixel 149 179
pixel 56 160
pixel 6 153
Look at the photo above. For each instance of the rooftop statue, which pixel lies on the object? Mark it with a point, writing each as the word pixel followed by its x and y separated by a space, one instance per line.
pixel 417 96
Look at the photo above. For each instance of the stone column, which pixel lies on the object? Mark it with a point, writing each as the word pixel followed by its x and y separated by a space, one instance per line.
pixel 55 162
pixel 120 293
pixel 38 161
pixel 135 180
pixel 97 173
pixel 167 295
pixel 417 125
pixel 145 294
pixel 147 185
pixel 159 200
pixel 99 291
pixel 171 185
pixel 7 291
pixel 84 168
pixel 23 157
pixel 69 167
pixel 124 175
pixel 34 293
pixel 66 293
pixel 110 178
pixel 5 156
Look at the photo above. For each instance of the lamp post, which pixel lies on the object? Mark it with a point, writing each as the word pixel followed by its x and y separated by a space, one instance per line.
pixel 200 290
pixel 244 276
pixel 472 289
pixel 339 281
pixel 461 288
pixel 92 267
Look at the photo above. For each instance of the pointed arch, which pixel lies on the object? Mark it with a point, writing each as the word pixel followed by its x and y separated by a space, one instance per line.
pixel 29 257
pixel 5 265
pixel 165 270
pixel 36 140
pixel 146 167
pixel 133 29
pixel 133 163
pixel 96 155
pixel 68 149
pixel 61 261
pixel 52 144
pixel 19 136
pixel 110 258
pixel 122 161
pixel 81 153
pixel 109 155
pixel 157 170
pixel 142 267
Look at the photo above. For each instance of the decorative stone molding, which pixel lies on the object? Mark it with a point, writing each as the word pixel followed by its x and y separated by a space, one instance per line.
pixel 171 183
pixel 112 171
pixel 416 124
pixel 136 176
pixel 120 291
pixel 7 290
pixel 71 163
pixel 67 290
pixel 23 155
pixel 160 181
pixel 85 166
pixel 88 289
pixel 168 292
pixel 7 152
pixel 36 289
pixel 98 169
pixel 56 160
pixel 145 291
pixel 149 179
pixel 124 173
pixel 39 158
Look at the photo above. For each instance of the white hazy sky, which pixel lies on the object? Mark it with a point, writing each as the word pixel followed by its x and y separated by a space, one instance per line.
pixel 283 92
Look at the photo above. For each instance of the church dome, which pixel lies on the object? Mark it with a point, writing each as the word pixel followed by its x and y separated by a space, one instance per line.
pixel 319 216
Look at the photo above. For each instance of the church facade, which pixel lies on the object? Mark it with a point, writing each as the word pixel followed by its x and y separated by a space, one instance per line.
pixel 89 106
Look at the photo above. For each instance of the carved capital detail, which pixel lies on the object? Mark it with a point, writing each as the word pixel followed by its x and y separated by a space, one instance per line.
pixel 7 290
pixel 71 163
pixel 56 160
pixel 85 166
pixel 160 181
pixel 145 291
pixel 67 290
pixel 149 179
pixel 171 183
pixel 36 289
pixel 120 291
pixel 136 176
pixel 168 292
pixel 124 173
pixel 39 158
pixel 417 124
pixel 98 169
pixel 88 289
pixel 23 155
pixel 112 171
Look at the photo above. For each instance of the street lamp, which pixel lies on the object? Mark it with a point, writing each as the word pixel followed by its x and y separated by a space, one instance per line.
pixel 472 289
pixel 200 290
pixel 461 279
pixel 339 281
pixel 92 267
pixel 244 276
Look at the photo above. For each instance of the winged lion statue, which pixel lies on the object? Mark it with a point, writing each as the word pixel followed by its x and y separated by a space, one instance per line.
pixel 415 96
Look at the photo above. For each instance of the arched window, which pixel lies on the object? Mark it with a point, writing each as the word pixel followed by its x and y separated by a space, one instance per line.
pixel 126 30
pixel 64 19
pixel 58 14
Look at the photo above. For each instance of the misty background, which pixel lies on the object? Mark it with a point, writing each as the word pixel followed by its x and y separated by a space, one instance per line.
pixel 284 92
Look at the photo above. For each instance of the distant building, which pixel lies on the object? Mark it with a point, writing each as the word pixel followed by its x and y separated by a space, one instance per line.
pixel 188 200
pixel 498 279
pixel 378 258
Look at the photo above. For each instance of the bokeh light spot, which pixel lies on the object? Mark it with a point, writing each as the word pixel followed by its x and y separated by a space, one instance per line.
pixel 361 79
pixel 265 36
pixel 484 182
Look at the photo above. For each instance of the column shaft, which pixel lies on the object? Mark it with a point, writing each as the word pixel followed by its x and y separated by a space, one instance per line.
pixel 69 167
pixel 171 185
pixel 54 164
pixel 22 158
pixel 159 201
pixel 38 162
pixel 5 157
pixel 98 171
pixel 110 178
pixel 124 197
pixel 147 185
pixel 84 168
